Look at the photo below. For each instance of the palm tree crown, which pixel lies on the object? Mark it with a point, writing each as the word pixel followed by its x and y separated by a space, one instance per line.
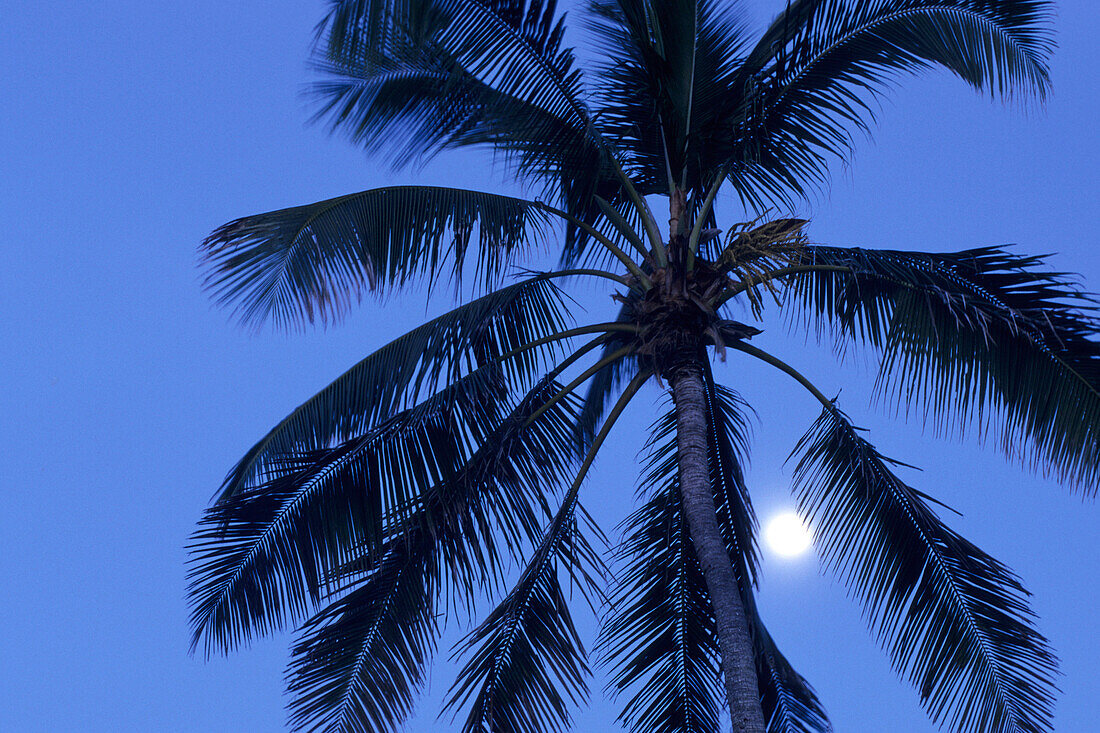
pixel 416 480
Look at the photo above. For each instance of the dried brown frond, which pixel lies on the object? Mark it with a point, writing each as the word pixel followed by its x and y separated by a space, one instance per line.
pixel 755 251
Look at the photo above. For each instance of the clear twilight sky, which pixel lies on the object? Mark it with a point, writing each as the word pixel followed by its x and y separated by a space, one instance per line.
pixel 129 130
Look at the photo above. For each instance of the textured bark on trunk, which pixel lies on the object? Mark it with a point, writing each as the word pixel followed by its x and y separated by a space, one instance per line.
pixel 735 645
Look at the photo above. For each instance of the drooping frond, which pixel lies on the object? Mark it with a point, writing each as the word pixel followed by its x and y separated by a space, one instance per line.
pixel 527 663
pixel 659 638
pixel 789 701
pixel 526 658
pixel 263 557
pixel 358 662
pixel 666 83
pixel 972 335
pixel 812 80
pixel 313 262
pixel 496 505
pixel 659 635
pixel 496 52
pixel 397 375
pixel 412 103
pixel 954 620
pixel 728 434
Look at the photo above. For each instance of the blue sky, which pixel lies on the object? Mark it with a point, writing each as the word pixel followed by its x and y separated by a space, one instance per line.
pixel 130 130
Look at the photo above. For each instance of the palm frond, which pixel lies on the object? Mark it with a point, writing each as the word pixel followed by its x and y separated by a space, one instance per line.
pixel 263 557
pixel 665 83
pixel 313 262
pixel 527 663
pixel 954 620
pixel 728 436
pixel 419 78
pixel 526 656
pixel 972 336
pixel 500 497
pixel 659 636
pixel 812 79
pixel 412 104
pixel 789 701
pixel 513 46
pixel 397 375
pixel 358 662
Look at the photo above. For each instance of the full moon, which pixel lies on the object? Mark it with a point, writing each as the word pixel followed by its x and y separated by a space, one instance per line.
pixel 787 536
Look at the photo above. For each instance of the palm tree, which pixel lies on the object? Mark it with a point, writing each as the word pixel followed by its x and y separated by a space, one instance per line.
pixel 412 484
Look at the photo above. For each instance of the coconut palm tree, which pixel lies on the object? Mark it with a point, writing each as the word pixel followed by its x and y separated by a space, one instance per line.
pixel 416 482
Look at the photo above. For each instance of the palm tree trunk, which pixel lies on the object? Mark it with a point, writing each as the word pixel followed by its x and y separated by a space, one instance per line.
pixel 738 667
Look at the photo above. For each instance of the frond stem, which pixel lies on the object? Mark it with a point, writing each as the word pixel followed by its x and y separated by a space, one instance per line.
pixel 668 163
pixel 572 358
pixel 690 99
pixel 648 221
pixel 613 248
pixel 728 293
pixel 701 217
pixel 621 224
pixel 625 282
pixel 764 356
pixel 601 328
pixel 620 405
pixel 581 379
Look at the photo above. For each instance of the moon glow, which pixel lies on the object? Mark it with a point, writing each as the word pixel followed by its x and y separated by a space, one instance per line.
pixel 787 536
